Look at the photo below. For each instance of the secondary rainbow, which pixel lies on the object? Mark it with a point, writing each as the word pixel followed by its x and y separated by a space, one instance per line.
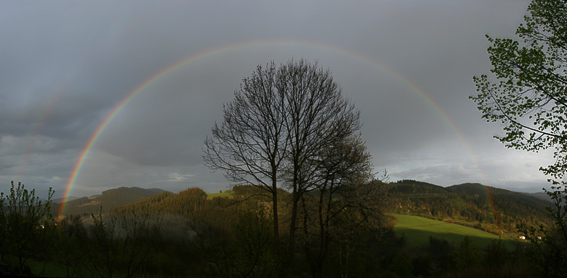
pixel 252 44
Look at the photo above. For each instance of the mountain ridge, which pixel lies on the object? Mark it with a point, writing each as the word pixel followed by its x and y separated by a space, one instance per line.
pixel 483 207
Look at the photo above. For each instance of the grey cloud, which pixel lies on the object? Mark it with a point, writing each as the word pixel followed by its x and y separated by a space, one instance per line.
pixel 67 65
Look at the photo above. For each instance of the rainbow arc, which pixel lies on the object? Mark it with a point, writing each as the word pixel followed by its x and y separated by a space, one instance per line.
pixel 239 46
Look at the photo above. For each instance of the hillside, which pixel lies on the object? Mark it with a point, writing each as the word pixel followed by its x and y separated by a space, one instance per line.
pixel 108 199
pixel 541 196
pixel 483 207
pixel 193 210
pixel 417 231
pixel 191 200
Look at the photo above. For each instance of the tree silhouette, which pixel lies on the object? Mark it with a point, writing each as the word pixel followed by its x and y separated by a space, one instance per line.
pixel 280 119
pixel 24 223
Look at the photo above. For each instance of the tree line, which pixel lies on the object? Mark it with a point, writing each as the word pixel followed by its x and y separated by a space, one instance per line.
pixel 189 235
pixel 177 235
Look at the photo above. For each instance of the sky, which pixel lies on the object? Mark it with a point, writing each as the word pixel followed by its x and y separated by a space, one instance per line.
pixel 103 94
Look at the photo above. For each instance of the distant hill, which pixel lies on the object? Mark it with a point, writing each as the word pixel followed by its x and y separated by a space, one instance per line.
pixel 193 202
pixel 189 209
pixel 471 204
pixel 60 200
pixel 535 200
pixel 109 199
pixel 183 203
pixel 541 196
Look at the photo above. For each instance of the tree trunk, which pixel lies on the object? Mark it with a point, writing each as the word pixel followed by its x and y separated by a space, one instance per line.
pixel 292 225
pixel 276 220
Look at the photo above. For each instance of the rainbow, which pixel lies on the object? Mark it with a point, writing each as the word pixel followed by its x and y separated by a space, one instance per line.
pixel 48 106
pixel 243 45
pixel 45 110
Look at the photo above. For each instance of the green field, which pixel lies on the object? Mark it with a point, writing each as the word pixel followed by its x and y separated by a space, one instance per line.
pixel 224 195
pixel 418 230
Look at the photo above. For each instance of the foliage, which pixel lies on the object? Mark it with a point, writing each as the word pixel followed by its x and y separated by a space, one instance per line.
pixel 442 253
pixel 495 255
pixel 530 100
pixel 71 233
pixel 223 237
pixel 247 253
pixel 467 255
pixel 122 244
pixel 25 223
pixel 530 96
pixel 550 243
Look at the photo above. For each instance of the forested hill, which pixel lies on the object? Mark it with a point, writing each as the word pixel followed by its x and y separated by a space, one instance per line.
pixel 483 207
pixel 472 204
pixel 195 206
pixel 108 199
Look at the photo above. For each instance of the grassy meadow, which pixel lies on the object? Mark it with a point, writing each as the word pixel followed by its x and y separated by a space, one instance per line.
pixel 418 230
pixel 221 194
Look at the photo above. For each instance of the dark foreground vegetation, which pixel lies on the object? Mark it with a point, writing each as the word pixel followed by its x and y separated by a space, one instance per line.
pixel 290 126
pixel 189 235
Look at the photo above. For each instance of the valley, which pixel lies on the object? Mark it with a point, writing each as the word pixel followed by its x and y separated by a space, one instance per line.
pixel 420 209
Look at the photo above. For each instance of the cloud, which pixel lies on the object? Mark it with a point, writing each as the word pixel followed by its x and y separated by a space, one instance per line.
pixel 65 67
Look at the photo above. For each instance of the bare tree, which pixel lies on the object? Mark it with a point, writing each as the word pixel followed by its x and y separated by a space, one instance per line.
pixel 317 116
pixel 346 197
pixel 280 120
pixel 249 145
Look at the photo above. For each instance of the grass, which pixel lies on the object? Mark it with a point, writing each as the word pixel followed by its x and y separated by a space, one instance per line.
pixel 223 195
pixel 418 230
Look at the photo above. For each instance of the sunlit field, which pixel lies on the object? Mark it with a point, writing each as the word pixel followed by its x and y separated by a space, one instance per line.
pixel 417 231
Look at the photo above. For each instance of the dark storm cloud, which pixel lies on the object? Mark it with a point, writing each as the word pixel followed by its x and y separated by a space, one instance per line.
pixel 67 65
